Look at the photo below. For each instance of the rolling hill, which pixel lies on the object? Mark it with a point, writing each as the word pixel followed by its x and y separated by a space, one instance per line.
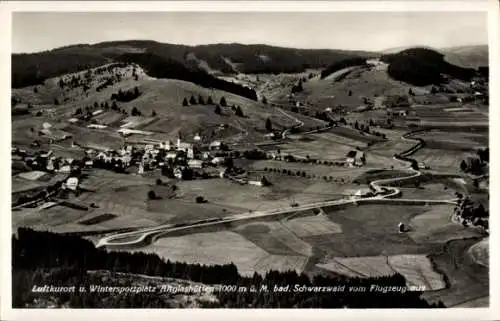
pixel 467 56
pixel 34 68
pixel 160 104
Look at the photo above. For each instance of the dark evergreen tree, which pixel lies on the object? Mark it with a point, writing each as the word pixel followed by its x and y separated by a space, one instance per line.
pixel 223 102
pixel 185 102
pixel 269 125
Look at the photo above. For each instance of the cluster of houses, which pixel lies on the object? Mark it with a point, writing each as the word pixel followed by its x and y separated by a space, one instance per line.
pixel 176 158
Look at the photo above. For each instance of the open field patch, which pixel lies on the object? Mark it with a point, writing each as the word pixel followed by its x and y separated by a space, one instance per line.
pixel 480 252
pixel 467 281
pixel 428 191
pixel 210 248
pixel 416 269
pixel 96 138
pixel 370 230
pixel 371 175
pixel 97 219
pixel 317 149
pixel 446 160
pixel 313 225
pixel 109 118
pixel 265 239
pixel 33 175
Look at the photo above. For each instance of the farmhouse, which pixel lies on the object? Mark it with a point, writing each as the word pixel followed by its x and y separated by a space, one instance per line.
pixel 171 155
pixel 179 172
pixel 218 160
pixel 355 158
pixel 196 163
pixel 216 145
pixel 72 183
pixel 96 126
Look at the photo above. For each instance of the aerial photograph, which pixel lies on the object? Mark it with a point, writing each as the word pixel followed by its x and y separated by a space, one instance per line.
pixel 250 160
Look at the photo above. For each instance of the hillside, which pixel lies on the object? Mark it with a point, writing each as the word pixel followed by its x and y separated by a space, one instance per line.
pixel 158 103
pixel 422 66
pixel 30 69
pixel 467 56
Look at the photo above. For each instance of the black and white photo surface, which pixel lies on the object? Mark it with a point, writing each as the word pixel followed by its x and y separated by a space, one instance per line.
pixel 205 159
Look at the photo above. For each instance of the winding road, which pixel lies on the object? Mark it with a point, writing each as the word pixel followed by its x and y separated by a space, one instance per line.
pixel 385 194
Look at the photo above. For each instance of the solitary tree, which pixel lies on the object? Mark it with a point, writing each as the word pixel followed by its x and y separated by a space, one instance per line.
pixel 151 195
pixel 463 165
pixel 210 101
pixel 159 181
pixel 217 110
pixel 269 125
pixel 135 112
pixel 238 112
pixel 185 102
pixel 223 101
pixel 264 100
pixel 153 113
pixel 192 100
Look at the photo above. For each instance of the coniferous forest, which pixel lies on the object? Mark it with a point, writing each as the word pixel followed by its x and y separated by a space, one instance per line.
pixel 40 258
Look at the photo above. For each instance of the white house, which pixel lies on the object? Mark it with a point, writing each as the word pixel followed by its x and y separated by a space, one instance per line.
pixel 218 160
pixel 72 183
pixel 171 155
pixel 65 169
pixel 216 145
pixel 96 126
pixel 196 163
pixel 178 171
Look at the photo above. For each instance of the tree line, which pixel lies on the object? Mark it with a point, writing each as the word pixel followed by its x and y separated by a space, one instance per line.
pixel 159 67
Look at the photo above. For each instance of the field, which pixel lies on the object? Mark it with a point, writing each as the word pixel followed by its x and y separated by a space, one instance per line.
pixel 416 269
pixel 444 160
pixel 467 281
pixel 480 252
pixel 223 247
pixel 283 190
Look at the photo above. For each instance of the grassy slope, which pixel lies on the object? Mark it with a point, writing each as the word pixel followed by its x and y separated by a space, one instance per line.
pixel 164 96
pixel 467 56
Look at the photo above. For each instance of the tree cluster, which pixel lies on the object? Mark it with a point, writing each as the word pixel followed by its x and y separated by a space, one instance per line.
pixel 126 96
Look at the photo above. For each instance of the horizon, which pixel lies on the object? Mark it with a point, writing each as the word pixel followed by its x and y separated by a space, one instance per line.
pixel 35 32
pixel 251 44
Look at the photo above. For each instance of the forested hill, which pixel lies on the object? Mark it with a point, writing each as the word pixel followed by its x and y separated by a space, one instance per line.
pixel 423 66
pixel 30 69
pixel 158 67
pixel 45 258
